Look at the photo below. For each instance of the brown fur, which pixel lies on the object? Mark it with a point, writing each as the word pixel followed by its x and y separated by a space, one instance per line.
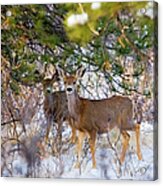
pixel 55 109
pixel 100 116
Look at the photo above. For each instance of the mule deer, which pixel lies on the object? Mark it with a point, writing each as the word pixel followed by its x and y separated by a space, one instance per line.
pixel 55 107
pixel 99 116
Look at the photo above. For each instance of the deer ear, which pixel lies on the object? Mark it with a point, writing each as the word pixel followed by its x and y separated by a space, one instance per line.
pixel 50 70
pixel 80 72
pixel 60 71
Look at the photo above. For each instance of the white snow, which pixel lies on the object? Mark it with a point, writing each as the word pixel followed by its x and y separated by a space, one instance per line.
pixel 8 13
pixel 75 19
pixel 95 6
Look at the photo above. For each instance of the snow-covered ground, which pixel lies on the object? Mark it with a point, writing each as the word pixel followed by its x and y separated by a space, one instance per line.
pixel 107 162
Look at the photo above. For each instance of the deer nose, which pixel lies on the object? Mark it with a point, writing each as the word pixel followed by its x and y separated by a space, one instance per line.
pixel 69 89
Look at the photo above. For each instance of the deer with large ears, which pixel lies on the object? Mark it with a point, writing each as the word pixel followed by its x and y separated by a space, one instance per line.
pixel 99 116
pixel 55 106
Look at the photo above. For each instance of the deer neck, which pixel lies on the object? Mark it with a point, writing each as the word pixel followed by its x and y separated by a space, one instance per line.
pixel 73 105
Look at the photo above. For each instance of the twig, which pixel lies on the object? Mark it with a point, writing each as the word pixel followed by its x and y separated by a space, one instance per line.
pixel 89 26
pixel 120 85
pixel 128 40
pixel 9 122
pixel 116 154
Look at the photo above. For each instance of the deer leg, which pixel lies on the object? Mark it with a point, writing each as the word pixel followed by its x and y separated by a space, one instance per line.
pixel 47 133
pixel 126 138
pixel 92 144
pixel 59 137
pixel 48 129
pixel 137 131
pixel 81 137
pixel 73 136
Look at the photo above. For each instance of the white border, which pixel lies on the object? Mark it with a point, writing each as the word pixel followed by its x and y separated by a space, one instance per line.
pixel 80 182
pixel 5 2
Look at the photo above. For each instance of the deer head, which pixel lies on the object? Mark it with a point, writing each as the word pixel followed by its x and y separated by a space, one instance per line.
pixel 70 81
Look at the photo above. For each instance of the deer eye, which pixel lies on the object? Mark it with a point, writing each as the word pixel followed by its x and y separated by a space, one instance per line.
pixel 74 82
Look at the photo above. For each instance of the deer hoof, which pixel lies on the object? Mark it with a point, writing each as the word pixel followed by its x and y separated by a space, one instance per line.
pixel 94 166
pixel 140 156
pixel 77 165
pixel 122 159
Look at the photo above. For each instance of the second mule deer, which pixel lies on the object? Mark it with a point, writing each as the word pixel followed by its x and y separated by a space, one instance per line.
pixel 99 116
pixel 55 107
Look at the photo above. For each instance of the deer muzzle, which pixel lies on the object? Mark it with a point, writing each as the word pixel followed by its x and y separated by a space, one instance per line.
pixel 69 90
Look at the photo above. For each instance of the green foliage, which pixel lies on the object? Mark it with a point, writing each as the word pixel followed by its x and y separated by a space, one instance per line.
pixel 14 87
pixel 82 33
pixel 117 69
pixel 25 73
pixel 41 33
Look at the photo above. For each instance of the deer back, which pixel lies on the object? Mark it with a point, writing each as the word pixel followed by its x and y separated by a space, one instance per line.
pixel 103 115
